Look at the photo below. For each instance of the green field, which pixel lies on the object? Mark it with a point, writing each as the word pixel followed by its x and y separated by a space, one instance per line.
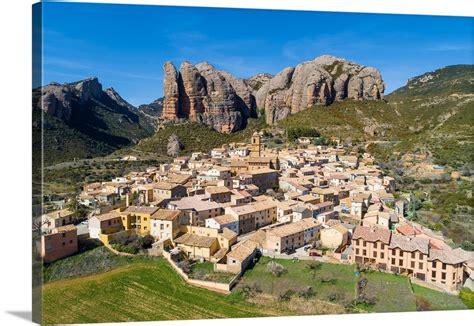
pixel 336 284
pixel 331 283
pixel 140 291
pixel 146 288
pixel 392 293
pixel 428 299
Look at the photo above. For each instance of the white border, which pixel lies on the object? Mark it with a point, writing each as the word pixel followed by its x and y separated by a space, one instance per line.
pixel 15 158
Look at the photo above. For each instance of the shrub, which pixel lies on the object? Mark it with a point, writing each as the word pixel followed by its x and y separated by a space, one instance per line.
pixel 276 269
pixel 251 289
pixel 467 296
pixel 286 296
pixel 306 293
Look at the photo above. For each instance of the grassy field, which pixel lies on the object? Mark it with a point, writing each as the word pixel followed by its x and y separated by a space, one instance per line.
pixel 392 293
pixel 140 291
pixel 143 288
pixel 428 299
pixel 335 284
pixel 331 283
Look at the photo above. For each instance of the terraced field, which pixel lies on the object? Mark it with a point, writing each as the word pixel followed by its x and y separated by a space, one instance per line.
pixel 139 292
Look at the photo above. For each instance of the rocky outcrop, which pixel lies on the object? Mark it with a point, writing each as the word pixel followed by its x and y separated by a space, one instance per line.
pixel 257 81
pixel 87 88
pixel 318 82
pixel 112 93
pixel 204 94
pixel 56 100
pixel 170 86
pixel 59 100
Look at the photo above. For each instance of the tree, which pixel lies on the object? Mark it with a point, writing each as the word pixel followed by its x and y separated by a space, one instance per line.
pixel 78 210
pixel 174 145
pixel 314 266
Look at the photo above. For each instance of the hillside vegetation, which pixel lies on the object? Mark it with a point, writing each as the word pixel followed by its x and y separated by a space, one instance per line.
pixel 96 128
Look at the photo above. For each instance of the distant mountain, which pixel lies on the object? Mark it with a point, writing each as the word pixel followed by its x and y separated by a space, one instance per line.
pixel 81 120
pixel 152 112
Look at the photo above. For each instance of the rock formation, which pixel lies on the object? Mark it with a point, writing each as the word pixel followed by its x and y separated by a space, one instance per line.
pixel 59 100
pixel 257 81
pixel 318 82
pixel 170 86
pixel 204 94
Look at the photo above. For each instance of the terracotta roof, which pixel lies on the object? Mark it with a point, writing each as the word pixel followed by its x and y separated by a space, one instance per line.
pixel 372 234
pixel 408 229
pixel 108 216
pixel 165 185
pixel 225 219
pixel 64 228
pixel 228 234
pixel 59 213
pixel 243 250
pixel 166 214
pixel 217 190
pixel 292 228
pixel 140 210
pixel 194 240
pixel 409 243
pixel 447 256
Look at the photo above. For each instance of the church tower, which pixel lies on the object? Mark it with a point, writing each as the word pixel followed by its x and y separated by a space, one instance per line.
pixel 256 145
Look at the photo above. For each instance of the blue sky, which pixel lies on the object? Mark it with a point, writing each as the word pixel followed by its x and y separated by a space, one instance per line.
pixel 125 46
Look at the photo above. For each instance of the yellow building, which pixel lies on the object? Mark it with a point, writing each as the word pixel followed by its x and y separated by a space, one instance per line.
pixel 138 218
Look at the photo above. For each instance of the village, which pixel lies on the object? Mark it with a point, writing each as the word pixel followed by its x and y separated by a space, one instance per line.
pixel 228 207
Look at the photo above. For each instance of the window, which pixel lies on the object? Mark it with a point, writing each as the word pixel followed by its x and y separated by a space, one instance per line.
pixel 394 252
pixel 433 264
pixel 421 255
pixel 64 235
pixel 412 264
pixel 400 262
pixel 64 243
pixel 393 261
pixel 375 254
pixel 433 274
pixel 382 255
pixel 357 251
pixel 109 223
pixel 70 241
pixel 413 255
pixel 444 266
pixel 420 265
pixel 443 276
pixel 382 246
pixel 364 252
pixel 375 245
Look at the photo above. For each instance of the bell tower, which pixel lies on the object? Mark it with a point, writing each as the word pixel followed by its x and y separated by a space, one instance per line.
pixel 256 145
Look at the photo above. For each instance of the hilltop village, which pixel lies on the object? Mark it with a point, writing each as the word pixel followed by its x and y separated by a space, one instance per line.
pixel 241 201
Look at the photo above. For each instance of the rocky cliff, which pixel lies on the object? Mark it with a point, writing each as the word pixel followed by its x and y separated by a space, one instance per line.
pixel 204 94
pixel 81 120
pixel 318 82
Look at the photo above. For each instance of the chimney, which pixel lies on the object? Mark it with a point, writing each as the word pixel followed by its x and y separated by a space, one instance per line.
pixel 127 200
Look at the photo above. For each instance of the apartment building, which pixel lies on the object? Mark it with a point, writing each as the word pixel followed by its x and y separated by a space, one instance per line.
pixel 107 223
pixel 138 218
pixel 60 243
pixel 289 237
pixel 411 256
